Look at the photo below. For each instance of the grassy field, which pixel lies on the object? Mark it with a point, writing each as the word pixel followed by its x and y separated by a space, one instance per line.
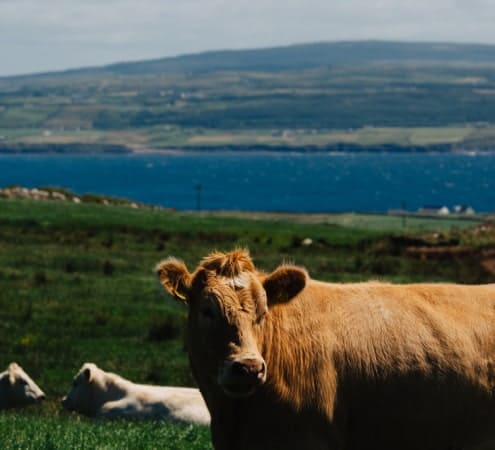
pixel 77 284
pixel 363 221
pixel 33 432
pixel 160 137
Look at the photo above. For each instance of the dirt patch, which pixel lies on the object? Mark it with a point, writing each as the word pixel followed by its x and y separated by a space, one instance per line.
pixel 489 265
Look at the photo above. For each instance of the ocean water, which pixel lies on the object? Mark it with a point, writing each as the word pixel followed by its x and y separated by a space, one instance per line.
pixel 246 181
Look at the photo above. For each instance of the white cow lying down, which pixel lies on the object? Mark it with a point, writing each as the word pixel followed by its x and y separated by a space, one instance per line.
pixel 95 392
pixel 17 388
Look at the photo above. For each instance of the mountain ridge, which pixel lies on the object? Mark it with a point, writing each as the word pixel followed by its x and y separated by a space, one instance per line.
pixel 295 57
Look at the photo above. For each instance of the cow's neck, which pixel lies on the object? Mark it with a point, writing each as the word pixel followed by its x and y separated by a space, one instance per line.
pixel 224 411
pixel 116 388
pixel 297 356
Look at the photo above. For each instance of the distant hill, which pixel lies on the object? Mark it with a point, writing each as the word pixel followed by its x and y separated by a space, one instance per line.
pixel 306 56
pixel 341 96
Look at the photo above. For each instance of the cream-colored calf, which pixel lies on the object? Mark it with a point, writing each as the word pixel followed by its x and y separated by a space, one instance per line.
pixel 95 392
pixel 17 388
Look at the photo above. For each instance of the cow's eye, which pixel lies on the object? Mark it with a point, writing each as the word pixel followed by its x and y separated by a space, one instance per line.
pixel 23 382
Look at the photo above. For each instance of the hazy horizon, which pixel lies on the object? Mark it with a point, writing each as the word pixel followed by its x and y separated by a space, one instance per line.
pixel 58 35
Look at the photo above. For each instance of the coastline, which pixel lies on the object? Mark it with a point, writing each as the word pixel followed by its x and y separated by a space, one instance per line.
pixel 339 148
pixel 61 149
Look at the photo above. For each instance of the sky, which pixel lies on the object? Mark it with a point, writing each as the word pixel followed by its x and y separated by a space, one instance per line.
pixel 47 35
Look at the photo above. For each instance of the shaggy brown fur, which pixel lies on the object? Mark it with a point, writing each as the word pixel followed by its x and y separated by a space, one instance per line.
pixel 286 362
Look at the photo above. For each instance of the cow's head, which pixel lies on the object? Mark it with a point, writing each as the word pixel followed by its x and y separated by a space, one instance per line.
pixel 86 393
pixel 228 301
pixel 19 388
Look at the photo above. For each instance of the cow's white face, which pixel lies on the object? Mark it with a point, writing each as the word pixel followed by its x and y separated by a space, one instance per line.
pixel 84 396
pixel 228 302
pixel 20 389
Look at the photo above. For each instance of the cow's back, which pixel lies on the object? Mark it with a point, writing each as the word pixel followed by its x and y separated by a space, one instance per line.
pixel 173 403
pixel 176 403
pixel 418 358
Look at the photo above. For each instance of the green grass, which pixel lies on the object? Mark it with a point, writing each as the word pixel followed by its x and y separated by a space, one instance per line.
pixel 77 284
pixel 392 223
pixel 32 432
pixel 369 222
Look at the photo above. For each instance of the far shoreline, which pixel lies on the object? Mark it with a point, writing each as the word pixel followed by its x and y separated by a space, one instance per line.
pixel 73 149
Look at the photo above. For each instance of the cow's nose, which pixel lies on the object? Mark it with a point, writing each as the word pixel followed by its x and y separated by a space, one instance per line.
pixel 250 367
pixel 42 397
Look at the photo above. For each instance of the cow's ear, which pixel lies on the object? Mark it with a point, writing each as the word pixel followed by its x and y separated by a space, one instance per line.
pixel 11 372
pixel 175 278
pixel 284 284
pixel 87 374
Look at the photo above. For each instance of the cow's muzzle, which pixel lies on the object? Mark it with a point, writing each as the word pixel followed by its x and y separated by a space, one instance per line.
pixel 241 377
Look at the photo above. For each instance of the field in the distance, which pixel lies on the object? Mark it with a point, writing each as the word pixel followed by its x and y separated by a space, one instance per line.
pixel 77 285
pixel 158 137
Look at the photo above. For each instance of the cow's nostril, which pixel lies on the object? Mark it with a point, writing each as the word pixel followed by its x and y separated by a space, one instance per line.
pixel 238 368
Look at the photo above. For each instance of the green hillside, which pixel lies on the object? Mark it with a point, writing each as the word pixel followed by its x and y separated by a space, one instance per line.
pixel 349 96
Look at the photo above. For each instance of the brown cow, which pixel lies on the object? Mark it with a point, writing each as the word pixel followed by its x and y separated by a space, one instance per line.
pixel 286 362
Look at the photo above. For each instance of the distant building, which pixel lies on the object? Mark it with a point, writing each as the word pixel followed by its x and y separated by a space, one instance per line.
pixel 434 210
pixel 463 209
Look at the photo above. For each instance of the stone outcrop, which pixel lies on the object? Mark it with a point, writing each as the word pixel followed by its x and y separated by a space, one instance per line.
pixel 64 195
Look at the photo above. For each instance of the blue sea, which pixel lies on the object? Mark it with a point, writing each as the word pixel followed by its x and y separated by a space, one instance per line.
pixel 291 182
